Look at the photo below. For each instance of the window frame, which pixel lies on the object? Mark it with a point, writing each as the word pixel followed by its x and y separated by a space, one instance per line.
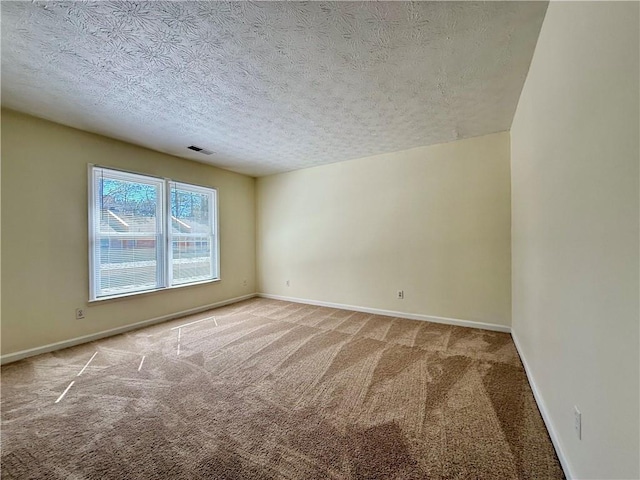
pixel 164 233
pixel 213 225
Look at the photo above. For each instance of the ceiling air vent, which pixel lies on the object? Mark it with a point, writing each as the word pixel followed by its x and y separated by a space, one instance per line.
pixel 200 150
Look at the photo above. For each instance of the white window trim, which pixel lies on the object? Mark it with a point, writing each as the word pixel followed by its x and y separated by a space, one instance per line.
pixel 165 250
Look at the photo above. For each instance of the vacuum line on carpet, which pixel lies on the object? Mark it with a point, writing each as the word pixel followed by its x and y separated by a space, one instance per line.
pixel 179 331
pixel 191 323
pixel 141 362
pixel 80 373
pixel 65 392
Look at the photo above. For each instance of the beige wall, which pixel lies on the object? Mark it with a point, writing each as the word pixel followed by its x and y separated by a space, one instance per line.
pixel 432 221
pixel 574 147
pixel 44 233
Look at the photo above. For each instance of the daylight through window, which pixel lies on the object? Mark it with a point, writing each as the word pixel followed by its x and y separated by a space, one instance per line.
pixel 148 233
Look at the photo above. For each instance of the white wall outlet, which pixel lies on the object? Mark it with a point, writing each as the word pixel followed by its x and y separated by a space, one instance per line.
pixel 79 313
pixel 400 294
pixel 287 283
pixel 577 422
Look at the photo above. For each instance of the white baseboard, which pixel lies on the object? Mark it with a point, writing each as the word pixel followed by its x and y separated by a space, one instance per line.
pixel 13 357
pixel 391 313
pixel 564 462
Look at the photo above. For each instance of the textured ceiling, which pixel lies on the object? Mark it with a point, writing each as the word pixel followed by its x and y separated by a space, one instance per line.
pixel 270 86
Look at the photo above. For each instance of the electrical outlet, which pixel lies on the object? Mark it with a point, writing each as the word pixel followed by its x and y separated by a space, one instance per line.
pixel 400 294
pixel 79 313
pixel 287 283
pixel 577 422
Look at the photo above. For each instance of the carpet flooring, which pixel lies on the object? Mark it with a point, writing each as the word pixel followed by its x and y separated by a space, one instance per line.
pixel 266 389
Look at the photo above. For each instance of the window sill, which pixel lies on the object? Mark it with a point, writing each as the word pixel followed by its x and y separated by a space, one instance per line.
pixel 147 292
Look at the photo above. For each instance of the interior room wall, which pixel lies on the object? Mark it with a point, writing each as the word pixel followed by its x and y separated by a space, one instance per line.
pixel 575 215
pixel 431 221
pixel 44 233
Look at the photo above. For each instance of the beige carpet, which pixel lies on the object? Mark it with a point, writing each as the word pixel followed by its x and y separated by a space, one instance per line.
pixel 267 389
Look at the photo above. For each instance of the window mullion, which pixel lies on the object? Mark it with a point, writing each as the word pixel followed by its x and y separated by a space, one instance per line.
pixel 168 270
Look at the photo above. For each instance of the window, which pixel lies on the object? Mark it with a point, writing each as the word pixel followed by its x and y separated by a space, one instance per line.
pixel 148 233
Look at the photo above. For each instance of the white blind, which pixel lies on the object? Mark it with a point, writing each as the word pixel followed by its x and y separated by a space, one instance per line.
pixel 148 233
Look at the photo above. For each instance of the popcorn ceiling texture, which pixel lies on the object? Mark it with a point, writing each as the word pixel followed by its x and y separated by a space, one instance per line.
pixel 270 86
